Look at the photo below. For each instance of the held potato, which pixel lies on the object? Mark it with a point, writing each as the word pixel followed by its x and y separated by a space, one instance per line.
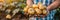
pixel 31 11
pixel 44 12
pixel 38 11
pixel 25 9
pixel 41 6
pixel 35 6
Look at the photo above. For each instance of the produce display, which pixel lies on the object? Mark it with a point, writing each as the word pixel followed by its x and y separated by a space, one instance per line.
pixel 12 9
pixel 36 9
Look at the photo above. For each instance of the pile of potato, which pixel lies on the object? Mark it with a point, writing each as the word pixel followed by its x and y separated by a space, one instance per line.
pixel 35 9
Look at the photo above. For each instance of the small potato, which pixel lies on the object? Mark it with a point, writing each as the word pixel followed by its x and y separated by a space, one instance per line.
pixel 35 6
pixel 38 11
pixel 44 12
pixel 41 6
pixel 31 11
pixel 8 16
pixel 25 9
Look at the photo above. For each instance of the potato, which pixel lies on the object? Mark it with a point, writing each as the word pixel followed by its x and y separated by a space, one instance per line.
pixel 35 6
pixel 44 12
pixel 31 11
pixel 25 9
pixel 38 11
pixel 41 6
pixel 8 16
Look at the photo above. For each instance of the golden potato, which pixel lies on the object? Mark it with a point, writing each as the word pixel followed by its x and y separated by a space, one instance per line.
pixel 25 9
pixel 31 11
pixel 38 11
pixel 44 12
pixel 8 16
pixel 35 6
pixel 41 6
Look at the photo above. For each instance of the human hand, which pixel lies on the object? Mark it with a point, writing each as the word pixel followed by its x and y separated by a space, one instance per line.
pixel 29 2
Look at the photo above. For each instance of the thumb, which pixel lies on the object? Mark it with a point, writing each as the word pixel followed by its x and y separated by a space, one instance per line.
pixel 48 8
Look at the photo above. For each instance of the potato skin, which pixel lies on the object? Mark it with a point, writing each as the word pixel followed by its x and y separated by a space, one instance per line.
pixel 25 9
pixel 35 6
pixel 38 11
pixel 31 11
pixel 41 6
pixel 44 11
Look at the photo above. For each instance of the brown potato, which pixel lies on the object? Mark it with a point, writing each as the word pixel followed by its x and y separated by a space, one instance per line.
pixel 38 11
pixel 8 16
pixel 31 11
pixel 44 12
pixel 35 6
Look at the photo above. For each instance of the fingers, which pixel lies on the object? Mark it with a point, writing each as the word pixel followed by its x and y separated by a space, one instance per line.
pixel 29 2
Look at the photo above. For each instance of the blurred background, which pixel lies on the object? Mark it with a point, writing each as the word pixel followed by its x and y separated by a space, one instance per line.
pixel 13 10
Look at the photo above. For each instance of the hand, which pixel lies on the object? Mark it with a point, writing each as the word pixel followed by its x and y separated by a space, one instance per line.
pixel 53 5
pixel 48 8
pixel 29 2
